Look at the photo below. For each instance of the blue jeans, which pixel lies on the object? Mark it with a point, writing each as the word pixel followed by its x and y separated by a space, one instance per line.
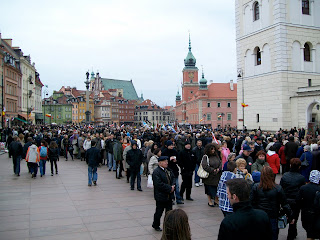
pixel 133 175
pixel 17 170
pixel 275 229
pixel 42 167
pixel 196 177
pixel 33 168
pixel 92 175
pixel 177 189
pixel 111 162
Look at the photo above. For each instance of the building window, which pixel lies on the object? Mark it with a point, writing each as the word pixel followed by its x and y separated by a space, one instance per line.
pixel 208 104
pixel 218 104
pixel 305 7
pixel 258 118
pixel 258 56
pixel 256 11
pixel 191 92
pixel 208 116
pixel 229 116
pixel 309 83
pixel 229 104
pixel 307 55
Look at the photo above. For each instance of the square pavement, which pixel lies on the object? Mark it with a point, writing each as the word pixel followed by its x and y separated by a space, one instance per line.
pixel 64 207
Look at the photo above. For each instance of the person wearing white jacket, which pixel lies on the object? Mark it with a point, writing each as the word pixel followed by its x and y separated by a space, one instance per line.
pixel 153 163
pixel 32 158
pixel 87 143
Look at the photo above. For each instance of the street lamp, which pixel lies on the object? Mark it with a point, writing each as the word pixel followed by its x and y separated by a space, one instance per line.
pixel 222 114
pixel 45 93
pixel 87 99
pixel 240 75
pixel 29 93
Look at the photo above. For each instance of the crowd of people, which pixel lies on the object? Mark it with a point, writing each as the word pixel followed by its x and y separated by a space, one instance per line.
pixel 240 169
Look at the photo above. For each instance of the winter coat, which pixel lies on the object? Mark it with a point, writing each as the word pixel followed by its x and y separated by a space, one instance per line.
pixel 109 145
pixel 198 153
pixel 258 165
pixel 245 223
pixel 53 154
pixel 214 164
pixel 162 187
pixel 305 171
pixel 270 201
pixel 134 159
pixel 153 164
pixel 33 154
pixel 274 161
pixel 172 165
pixel 93 157
pixel 291 182
pixel 86 144
pixel 125 151
pixel 117 151
pixel 299 151
pixel 25 149
pixel 290 150
pixel 282 155
pixel 225 153
pixel 15 149
pixel 315 160
pixel 186 162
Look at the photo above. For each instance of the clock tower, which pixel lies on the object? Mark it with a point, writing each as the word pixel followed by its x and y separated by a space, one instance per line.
pixel 190 76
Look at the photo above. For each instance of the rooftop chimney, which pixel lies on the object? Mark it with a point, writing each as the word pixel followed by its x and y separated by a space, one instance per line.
pixel 231 85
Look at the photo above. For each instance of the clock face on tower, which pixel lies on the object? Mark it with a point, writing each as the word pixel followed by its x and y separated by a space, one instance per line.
pixel 191 75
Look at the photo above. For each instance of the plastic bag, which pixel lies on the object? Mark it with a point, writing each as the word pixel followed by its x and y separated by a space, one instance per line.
pixel 150 182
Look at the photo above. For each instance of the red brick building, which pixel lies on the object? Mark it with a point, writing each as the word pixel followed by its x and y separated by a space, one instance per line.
pixel 213 105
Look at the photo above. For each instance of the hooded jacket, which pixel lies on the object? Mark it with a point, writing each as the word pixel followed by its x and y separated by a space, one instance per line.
pixel 33 154
pixel 274 161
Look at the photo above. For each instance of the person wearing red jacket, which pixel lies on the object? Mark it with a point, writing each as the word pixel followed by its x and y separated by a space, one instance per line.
pixel 273 160
pixel 282 155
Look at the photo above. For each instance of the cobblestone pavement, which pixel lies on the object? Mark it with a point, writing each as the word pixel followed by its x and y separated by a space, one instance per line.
pixel 64 207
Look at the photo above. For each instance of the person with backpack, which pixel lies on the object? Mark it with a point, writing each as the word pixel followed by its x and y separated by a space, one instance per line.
pixel 32 158
pixel 43 149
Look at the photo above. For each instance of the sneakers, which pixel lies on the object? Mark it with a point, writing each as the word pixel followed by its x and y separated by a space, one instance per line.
pixel 200 183
pixel 51 174
pixel 89 185
pixel 95 183
pixel 197 184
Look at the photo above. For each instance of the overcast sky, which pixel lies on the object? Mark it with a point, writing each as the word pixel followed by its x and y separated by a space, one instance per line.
pixel 142 40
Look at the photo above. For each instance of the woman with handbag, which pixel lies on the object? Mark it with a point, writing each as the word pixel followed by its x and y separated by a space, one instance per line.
pixel 270 197
pixel 211 163
pixel 306 162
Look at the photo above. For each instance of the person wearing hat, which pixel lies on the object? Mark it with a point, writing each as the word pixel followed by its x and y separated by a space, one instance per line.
pixel 172 154
pixel 164 185
pixel 187 163
pixel 306 203
pixel 134 159
pixel 246 156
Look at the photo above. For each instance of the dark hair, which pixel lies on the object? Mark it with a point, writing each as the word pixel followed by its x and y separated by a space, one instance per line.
pixel 176 226
pixel 209 146
pixel 93 143
pixel 291 138
pixel 53 144
pixel 152 147
pixel 295 164
pixel 44 143
pixel 272 148
pixel 231 165
pixel 267 179
pixel 261 152
pixel 239 187
pixel 156 151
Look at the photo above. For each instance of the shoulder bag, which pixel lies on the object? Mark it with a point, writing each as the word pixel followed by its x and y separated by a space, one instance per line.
pixel 201 172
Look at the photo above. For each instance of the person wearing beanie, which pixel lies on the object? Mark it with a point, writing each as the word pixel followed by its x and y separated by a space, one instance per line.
pixel 306 203
pixel 134 159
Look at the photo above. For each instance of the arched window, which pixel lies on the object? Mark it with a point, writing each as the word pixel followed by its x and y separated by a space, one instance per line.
pixel 307 55
pixel 258 56
pixel 305 7
pixel 256 11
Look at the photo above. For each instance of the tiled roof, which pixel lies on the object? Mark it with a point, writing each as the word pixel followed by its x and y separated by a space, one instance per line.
pixel 149 105
pixel 222 91
pixel 129 91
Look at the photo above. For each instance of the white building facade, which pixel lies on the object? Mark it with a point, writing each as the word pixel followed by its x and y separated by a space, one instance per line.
pixel 278 58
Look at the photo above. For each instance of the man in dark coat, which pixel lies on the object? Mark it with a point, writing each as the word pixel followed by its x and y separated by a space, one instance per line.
pixel 187 164
pixel 290 150
pixel 16 150
pixel 198 152
pixel 93 159
pixel 245 222
pixel 163 182
pixel 134 159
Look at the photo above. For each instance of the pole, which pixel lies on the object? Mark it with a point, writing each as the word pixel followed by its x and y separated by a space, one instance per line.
pixel 242 101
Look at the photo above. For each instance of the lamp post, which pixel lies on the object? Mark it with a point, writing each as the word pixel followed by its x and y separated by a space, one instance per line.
pixel 29 81
pixel 240 75
pixel 87 99
pixel 222 114
pixel 45 93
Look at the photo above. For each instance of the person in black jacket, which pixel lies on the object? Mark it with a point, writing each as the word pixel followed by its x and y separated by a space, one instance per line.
pixel 198 152
pixel 270 197
pixel 187 164
pixel 291 182
pixel 16 150
pixel 290 150
pixel 163 182
pixel 53 156
pixel 134 159
pixel 305 201
pixel 92 158
pixel 245 222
